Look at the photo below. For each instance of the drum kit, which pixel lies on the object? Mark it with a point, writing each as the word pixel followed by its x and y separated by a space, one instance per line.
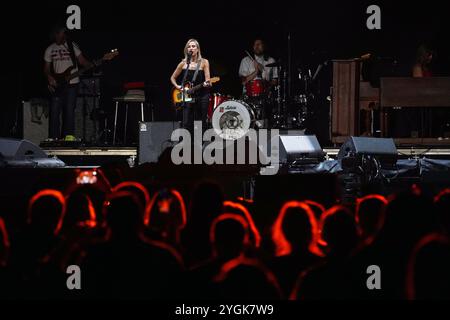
pixel 262 106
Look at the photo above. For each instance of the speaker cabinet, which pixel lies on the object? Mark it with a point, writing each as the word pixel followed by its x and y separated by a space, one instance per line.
pixel 12 149
pixel 23 153
pixel 299 148
pixel 35 120
pixel 154 138
pixel 381 148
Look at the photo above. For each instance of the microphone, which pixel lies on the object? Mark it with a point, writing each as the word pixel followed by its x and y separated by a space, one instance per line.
pixel 319 68
pixel 189 56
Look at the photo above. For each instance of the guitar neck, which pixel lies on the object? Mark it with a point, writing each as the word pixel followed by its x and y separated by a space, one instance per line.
pixel 96 63
pixel 197 87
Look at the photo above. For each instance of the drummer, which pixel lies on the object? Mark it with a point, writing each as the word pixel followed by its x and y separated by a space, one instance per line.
pixel 254 67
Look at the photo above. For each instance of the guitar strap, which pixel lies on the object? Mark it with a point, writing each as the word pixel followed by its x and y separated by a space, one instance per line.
pixel 196 71
pixel 185 76
pixel 72 53
pixel 194 76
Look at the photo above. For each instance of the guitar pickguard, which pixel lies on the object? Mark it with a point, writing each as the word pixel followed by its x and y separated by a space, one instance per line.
pixel 187 97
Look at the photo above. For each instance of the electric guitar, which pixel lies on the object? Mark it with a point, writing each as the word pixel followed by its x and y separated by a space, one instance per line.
pixel 62 79
pixel 185 95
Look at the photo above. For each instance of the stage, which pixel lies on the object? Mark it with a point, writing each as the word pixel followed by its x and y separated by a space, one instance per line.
pixel 97 156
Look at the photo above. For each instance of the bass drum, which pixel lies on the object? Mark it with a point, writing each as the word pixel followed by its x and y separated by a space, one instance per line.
pixel 232 119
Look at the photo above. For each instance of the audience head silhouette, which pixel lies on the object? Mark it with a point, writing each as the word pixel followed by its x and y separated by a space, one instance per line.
pixel 46 211
pixel 229 236
pixel 123 214
pixel 295 229
pixel 370 211
pixel 339 231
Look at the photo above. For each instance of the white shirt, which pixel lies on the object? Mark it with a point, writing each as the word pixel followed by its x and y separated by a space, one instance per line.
pixel 246 68
pixel 59 56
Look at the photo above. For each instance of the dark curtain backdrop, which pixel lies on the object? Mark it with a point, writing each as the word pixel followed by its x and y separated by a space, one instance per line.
pixel 151 34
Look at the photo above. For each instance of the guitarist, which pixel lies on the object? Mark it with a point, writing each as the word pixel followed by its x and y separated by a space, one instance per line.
pixel 59 56
pixel 194 69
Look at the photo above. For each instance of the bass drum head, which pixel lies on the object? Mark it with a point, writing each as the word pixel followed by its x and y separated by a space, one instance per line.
pixel 232 119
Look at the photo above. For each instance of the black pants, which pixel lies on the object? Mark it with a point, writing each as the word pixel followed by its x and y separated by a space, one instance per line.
pixel 197 111
pixel 65 102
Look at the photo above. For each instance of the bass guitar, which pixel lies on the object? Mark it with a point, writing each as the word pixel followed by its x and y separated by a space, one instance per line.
pixel 62 79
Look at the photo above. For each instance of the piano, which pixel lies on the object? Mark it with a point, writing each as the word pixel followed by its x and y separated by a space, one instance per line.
pixel 358 109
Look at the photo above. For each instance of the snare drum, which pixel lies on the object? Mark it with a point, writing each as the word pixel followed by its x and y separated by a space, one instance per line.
pixel 232 119
pixel 256 88
pixel 214 100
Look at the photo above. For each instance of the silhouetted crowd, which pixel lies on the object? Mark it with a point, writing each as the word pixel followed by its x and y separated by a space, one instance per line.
pixel 135 243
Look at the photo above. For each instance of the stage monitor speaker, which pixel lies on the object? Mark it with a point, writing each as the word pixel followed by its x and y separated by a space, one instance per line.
pixel 154 138
pixel 382 148
pixel 300 148
pixel 23 153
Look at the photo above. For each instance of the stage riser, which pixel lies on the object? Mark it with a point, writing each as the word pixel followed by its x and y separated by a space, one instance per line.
pixel 96 157
pixel 83 160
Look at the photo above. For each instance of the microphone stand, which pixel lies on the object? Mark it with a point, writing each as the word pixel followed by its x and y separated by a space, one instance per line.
pixel 183 82
pixel 289 78
pixel 188 63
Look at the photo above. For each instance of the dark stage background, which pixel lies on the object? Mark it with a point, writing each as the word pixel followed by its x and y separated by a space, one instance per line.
pixel 151 34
